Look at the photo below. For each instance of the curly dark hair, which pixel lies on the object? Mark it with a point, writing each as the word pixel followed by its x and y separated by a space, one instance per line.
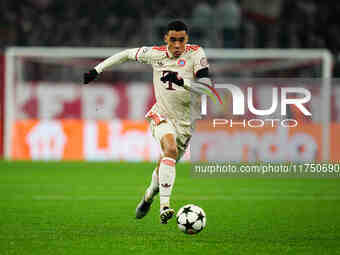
pixel 177 25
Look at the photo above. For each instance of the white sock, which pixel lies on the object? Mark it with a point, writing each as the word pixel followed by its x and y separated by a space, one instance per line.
pixel 153 189
pixel 167 175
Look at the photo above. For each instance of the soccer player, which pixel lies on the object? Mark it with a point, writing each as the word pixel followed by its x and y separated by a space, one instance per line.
pixel 178 69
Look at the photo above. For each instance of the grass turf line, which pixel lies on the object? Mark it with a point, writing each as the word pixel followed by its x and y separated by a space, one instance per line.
pixel 88 208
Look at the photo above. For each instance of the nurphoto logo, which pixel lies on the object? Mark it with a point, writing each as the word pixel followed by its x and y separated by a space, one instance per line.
pixel 240 101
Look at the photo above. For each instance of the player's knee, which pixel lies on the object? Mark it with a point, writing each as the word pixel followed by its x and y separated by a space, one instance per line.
pixel 171 151
pixel 169 146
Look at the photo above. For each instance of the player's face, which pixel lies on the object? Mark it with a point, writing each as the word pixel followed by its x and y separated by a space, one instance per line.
pixel 176 41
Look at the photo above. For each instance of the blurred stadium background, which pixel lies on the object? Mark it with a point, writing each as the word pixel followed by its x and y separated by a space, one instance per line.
pixel 50 88
pixel 85 207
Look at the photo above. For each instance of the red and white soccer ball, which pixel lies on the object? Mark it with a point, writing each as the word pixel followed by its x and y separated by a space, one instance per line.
pixel 191 219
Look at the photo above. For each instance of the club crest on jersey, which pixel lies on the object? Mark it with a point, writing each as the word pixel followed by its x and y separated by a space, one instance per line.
pixel 181 62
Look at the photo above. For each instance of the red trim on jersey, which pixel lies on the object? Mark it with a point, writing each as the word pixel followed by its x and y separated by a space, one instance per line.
pixel 137 54
pixel 213 90
pixel 155 117
pixel 160 48
pixel 169 161
pixel 192 47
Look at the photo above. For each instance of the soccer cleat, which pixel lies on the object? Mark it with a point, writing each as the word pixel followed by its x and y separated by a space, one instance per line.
pixel 166 214
pixel 143 208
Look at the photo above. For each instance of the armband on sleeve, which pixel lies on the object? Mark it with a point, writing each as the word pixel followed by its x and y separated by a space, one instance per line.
pixel 204 72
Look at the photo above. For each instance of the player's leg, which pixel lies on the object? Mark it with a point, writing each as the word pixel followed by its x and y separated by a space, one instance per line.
pixel 159 130
pixel 174 145
pixel 167 175
pixel 153 188
pixel 144 205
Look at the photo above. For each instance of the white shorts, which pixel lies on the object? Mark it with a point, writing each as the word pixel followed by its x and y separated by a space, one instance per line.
pixel 161 126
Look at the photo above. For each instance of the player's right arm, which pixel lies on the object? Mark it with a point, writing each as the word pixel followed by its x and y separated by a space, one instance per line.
pixel 137 54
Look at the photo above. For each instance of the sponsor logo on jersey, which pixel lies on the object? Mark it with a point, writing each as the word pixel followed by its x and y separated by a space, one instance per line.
pixel 181 62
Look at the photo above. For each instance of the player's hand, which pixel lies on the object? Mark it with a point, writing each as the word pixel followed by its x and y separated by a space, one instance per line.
pixel 90 76
pixel 173 77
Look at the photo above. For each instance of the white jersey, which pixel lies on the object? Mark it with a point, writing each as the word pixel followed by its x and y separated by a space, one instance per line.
pixel 172 101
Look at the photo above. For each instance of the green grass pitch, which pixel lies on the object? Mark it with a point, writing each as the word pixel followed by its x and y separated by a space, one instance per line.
pixel 89 208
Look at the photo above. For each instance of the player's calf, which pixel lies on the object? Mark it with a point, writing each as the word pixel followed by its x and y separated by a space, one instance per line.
pixel 143 208
pixel 167 170
pixel 144 205
pixel 167 175
pixel 153 188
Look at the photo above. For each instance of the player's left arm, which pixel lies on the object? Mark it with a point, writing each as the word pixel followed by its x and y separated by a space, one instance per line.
pixel 202 84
